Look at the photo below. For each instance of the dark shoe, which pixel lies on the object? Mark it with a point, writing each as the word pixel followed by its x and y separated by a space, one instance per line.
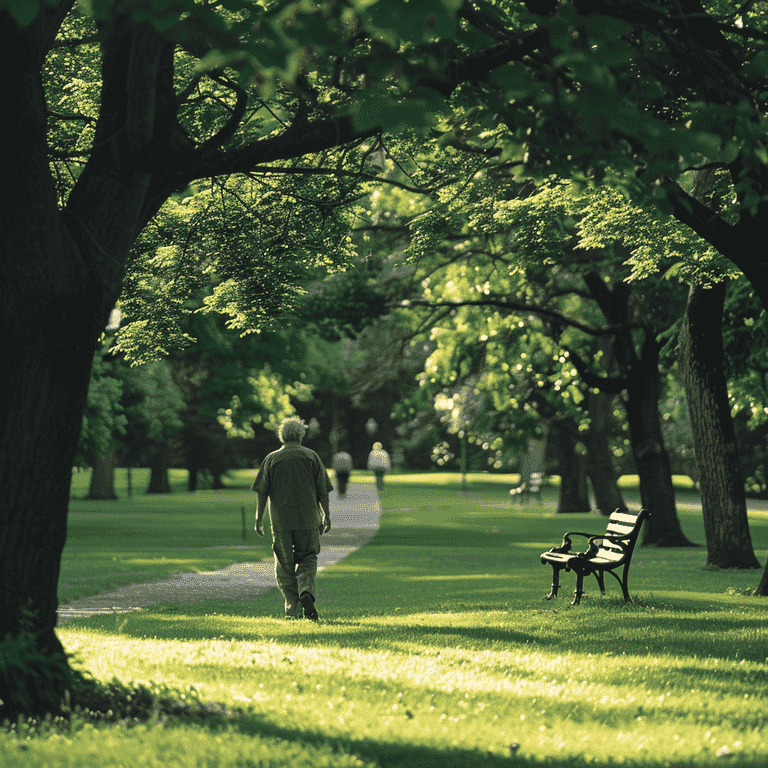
pixel 308 602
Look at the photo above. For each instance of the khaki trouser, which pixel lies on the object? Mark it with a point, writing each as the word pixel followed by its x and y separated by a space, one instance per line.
pixel 296 565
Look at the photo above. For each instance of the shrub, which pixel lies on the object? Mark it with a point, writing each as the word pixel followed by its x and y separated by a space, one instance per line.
pixel 32 682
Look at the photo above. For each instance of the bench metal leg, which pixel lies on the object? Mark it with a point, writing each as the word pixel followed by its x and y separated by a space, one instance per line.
pixel 600 576
pixel 622 582
pixel 555 583
pixel 579 591
pixel 624 587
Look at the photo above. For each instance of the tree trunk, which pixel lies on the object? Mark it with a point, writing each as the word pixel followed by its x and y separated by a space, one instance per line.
pixel 600 468
pixel 723 500
pixel 159 465
pixel 102 486
pixel 62 273
pixel 762 587
pixel 192 478
pixel 657 493
pixel 574 494
pixel 49 307
pixel 640 379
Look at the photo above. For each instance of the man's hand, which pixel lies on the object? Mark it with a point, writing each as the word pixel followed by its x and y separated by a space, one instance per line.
pixel 325 525
pixel 259 528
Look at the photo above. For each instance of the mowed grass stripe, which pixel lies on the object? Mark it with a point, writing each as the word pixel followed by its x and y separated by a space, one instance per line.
pixel 435 648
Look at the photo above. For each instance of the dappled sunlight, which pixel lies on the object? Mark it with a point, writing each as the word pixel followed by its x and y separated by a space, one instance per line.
pixel 398 677
pixel 434 642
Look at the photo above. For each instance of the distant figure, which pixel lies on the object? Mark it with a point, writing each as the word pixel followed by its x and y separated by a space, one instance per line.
pixel 297 486
pixel 342 467
pixel 379 464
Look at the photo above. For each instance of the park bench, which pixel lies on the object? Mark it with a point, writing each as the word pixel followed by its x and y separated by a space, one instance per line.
pixel 605 553
pixel 525 490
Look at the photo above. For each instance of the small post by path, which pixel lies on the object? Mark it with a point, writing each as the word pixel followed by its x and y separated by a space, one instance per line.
pixel 242 514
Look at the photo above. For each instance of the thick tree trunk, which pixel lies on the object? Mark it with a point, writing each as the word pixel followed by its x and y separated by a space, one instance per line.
pixel 192 478
pixel 46 384
pixel 49 305
pixel 724 504
pixel 762 587
pixel 159 465
pixel 640 379
pixel 61 276
pixel 600 468
pixel 657 494
pixel 102 487
pixel 574 494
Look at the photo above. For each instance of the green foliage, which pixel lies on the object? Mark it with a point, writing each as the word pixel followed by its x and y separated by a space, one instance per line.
pixel 270 399
pixel 598 100
pixel 105 419
pixel 654 242
pixel 153 403
pixel 344 304
pixel 247 247
pixel 31 680
pixel 243 248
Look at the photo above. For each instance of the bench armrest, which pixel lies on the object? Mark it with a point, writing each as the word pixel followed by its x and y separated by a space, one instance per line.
pixel 565 547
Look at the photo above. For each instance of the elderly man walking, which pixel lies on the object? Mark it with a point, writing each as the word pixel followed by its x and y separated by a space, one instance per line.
pixel 297 486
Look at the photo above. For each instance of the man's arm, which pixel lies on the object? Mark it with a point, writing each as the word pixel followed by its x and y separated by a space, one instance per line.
pixel 260 509
pixel 325 510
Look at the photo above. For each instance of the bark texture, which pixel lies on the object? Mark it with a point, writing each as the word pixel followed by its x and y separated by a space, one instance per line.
pixel 574 494
pixel 102 487
pixel 724 505
pixel 159 465
pixel 657 494
pixel 600 467
pixel 639 379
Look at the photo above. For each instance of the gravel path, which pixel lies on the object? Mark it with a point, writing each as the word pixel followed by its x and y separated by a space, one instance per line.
pixel 355 520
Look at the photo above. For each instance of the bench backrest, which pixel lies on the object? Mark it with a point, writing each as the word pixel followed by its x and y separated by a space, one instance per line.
pixel 622 523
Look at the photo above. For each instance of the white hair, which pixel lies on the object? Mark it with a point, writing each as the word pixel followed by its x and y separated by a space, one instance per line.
pixel 292 430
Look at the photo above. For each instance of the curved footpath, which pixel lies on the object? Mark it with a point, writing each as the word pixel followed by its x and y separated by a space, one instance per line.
pixel 355 520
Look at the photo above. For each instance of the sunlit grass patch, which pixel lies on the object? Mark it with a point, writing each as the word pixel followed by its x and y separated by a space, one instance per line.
pixel 475 682
pixel 435 648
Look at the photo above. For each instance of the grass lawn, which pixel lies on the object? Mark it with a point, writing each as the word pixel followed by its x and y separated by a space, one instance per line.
pixel 434 647
pixel 147 537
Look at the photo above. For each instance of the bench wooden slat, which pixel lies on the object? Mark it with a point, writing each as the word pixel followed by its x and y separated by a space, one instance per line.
pixel 608 556
pixel 624 517
pixel 619 530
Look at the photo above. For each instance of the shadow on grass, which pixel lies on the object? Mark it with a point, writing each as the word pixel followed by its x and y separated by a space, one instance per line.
pixel 610 627
pixel 390 754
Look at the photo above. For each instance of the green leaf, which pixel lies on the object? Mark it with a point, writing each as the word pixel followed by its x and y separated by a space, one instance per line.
pixel 377 109
pixel 673 270
pixel 575 393
pixel 415 20
pixel 758 67
pixel 23 11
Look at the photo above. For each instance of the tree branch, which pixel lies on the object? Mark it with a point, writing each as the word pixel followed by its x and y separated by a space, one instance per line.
pixel 293 170
pixel 704 222
pixel 238 112
pixel 610 385
pixel 518 306
pixel 292 143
